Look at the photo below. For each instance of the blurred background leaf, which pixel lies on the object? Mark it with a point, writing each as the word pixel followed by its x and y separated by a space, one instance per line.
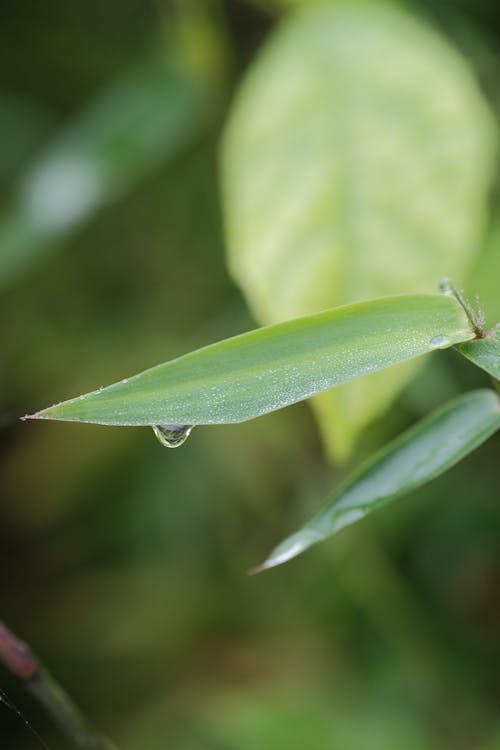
pixel 129 129
pixel 357 163
pixel 123 563
pixel 485 275
pixel 22 128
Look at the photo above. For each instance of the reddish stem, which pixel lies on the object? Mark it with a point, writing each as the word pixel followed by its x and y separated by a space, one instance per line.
pixel 16 655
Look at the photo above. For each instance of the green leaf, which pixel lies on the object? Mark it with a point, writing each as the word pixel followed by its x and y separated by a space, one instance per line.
pixel 485 353
pixel 483 280
pixel 356 164
pixel 23 124
pixel 130 128
pixel 269 368
pixel 422 453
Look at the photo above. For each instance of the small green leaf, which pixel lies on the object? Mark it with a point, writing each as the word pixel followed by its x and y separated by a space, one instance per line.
pixel 485 353
pixel 422 453
pixel 269 368
pixel 356 164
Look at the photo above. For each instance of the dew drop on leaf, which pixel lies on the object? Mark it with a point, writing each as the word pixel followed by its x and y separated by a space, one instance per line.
pixel 440 341
pixel 172 435
pixel 446 286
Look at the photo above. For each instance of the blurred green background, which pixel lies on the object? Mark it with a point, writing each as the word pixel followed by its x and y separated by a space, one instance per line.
pixel 123 563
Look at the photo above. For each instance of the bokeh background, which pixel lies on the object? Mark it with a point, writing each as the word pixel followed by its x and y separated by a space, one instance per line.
pixel 123 563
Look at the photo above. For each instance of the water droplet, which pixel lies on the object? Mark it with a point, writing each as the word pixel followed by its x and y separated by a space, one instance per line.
pixel 446 286
pixel 172 435
pixel 440 342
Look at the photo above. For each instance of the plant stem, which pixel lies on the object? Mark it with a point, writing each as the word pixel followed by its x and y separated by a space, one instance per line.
pixel 476 317
pixel 18 658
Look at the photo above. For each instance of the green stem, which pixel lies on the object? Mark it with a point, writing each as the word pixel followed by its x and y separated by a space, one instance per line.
pixel 475 317
pixel 18 658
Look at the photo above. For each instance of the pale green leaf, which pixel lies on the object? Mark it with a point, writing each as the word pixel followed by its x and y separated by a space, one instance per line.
pixel 485 353
pixel 356 163
pixel 422 453
pixel 483 280
pixel 258 372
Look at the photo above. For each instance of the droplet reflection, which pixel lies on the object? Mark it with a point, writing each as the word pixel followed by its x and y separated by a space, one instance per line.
pixel 446 286
pixel 440 342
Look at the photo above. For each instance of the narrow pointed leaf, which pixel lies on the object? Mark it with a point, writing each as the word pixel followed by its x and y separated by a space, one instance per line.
pixel 269 368
pixel 422 453
pixel 485 353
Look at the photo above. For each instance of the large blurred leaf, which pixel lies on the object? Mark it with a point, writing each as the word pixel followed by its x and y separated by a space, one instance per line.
pixel 355 164
pixel 264 370
pixel 483 280
pixel 128 130
pixel 422 453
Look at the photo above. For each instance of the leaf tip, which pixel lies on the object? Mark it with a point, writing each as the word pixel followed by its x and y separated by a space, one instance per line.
pixel 41 414
pixel 257 569
pixel 36 415
pixel 288 549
